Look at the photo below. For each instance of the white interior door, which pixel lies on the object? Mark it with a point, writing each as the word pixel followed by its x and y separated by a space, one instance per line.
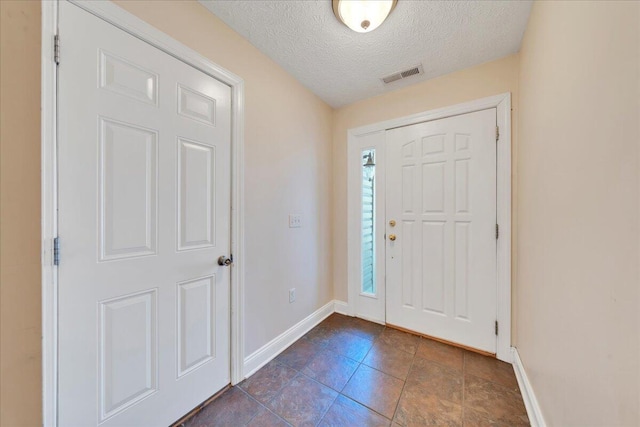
pixel 441 193
pixel 144 202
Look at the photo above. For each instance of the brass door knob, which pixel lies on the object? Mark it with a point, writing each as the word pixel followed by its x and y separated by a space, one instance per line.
pixel 392 223
pixel 392 237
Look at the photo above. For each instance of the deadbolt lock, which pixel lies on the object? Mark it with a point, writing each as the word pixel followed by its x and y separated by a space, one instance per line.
pixel 392 237
pixel 392 223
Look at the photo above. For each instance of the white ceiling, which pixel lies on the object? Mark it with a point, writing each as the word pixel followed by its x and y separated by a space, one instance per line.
pixel 342 66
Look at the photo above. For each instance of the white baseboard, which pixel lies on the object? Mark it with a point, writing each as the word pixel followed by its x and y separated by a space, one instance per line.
pixel 341 307
pixel 269 351
pixel 530 402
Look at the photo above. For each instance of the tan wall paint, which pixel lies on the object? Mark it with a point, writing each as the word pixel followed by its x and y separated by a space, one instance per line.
pixel 484 80
pixel 288 170
pixel 20 349
pixel 578 211
pixel 575 307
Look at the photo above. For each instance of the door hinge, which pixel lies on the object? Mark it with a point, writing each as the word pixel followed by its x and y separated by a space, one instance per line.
pixel 496 327
pixel 56 251
pixel 497 231
pixel 56 49
pixel 497 133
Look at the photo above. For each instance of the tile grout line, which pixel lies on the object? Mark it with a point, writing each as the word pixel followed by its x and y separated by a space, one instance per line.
pixel 354 372
pixel 263 406
pixel 328 408
pixel 277 393
pixel 404 385
pixel 372 338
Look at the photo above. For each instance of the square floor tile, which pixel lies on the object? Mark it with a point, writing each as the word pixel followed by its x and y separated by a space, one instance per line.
pixel 303 401
pixel 363 328
pixel 441 353
pixel 232 408
pixel 331 369
pixel 266 418
pixel 389 360
pixel 336 321
pixel 375 389
pixel 268 381
pixel 417 408
pixel 490 369
pixel 494 401
pixel 400 340
pixel 320 335
pixel 352 346
pixel 345 412
pixel 433 378
pixel 368 364
pixel 299 354
pixel 474 418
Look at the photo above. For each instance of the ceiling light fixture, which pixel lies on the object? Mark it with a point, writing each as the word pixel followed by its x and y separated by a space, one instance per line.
pixel 363 16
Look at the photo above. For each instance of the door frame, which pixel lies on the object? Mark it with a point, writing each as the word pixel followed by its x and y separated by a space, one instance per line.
pixel 133 25
pixel 502 104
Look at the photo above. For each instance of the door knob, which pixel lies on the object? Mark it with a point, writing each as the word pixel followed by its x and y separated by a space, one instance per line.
pixel 392 223
pixel 392 237
pixel 223 260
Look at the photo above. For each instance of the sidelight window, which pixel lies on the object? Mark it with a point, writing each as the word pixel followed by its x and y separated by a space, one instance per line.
pixel 368 284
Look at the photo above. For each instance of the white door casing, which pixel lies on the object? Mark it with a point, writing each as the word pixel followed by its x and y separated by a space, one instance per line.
pixel 441 254
pixel 365 305
pixel 365 136
pixel 144 212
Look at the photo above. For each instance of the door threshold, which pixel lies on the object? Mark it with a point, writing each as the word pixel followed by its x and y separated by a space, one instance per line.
pixel 200 407
pixel 451 343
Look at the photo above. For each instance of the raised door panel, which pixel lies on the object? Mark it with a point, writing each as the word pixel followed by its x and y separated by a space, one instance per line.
pixel 441 269
pixel 196 323
pixel 196 195
pixel 128 351
pixel 433 144
pixel 126 78
pixel 143 177
pixel 128 190
pixel 433 187
pixel 408 236
pixel 433 266
pixel 462 248
pixel 196 106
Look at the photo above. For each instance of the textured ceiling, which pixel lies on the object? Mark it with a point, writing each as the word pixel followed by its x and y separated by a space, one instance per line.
pixel 342 66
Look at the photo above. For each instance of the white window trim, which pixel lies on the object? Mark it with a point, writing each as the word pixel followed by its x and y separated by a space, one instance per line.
pixel 502 103
pixel 140 29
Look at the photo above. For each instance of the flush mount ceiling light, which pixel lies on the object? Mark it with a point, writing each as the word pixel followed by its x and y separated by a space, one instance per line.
pixel 363 16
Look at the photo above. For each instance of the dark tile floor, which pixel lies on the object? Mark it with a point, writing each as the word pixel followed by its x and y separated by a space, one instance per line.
pixel 350 372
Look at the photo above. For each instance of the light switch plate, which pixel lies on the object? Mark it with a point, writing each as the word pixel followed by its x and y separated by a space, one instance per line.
pixel 295 220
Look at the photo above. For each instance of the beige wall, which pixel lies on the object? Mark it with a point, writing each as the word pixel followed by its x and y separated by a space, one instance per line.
pixel 20 387
pixel 578 211
pixel 577 216
pixel 484 80
pixel 288 170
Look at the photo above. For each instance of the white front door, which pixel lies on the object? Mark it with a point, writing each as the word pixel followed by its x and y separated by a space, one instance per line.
pixel 441 253
pixel 144 202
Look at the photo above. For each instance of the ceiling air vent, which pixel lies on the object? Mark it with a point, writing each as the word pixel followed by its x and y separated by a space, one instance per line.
pixel 414 71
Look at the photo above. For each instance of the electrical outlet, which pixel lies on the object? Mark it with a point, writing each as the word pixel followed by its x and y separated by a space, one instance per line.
pixel 292 295
pixel 295 220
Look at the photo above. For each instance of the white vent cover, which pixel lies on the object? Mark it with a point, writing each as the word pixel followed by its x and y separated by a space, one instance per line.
pixel 413 71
